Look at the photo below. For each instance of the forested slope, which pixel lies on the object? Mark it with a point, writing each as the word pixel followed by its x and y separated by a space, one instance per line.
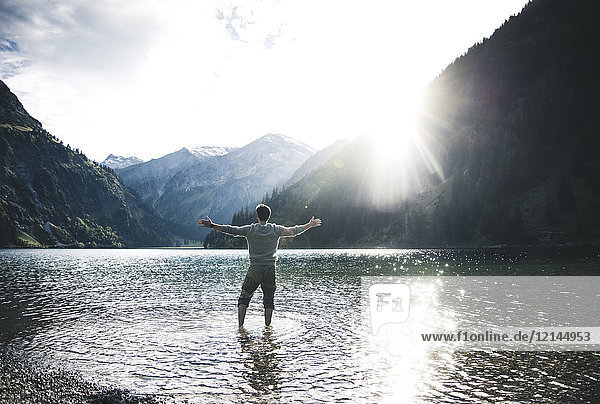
pixel 53 195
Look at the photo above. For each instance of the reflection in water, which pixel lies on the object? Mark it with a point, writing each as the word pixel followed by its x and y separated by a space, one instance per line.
pixel 406 366
pixel 164 322
pixel 261 367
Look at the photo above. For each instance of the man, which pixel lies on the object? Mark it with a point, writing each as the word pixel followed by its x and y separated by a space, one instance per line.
pixel 263 240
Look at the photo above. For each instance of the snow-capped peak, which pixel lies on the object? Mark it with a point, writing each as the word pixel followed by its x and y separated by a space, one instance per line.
pixel 115 162
pixel 209 151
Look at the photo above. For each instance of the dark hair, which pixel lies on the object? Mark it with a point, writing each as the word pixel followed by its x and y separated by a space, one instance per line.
pixel 263 212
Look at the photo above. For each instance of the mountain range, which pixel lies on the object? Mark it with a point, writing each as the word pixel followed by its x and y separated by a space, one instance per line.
pixel 53 195
pixel 215 181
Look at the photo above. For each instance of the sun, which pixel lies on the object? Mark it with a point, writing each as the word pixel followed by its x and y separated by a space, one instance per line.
pixel 403 159
pixel 399 126
pixel 391 147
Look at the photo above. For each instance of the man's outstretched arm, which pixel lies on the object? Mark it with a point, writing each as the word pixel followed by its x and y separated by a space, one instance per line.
pixel 208 223
pixel 294 231
pixel 235 230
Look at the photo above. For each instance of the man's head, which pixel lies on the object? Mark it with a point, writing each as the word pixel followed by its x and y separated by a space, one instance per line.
pixel 263 212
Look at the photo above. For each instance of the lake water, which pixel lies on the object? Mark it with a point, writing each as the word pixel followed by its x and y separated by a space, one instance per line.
pixel 163 322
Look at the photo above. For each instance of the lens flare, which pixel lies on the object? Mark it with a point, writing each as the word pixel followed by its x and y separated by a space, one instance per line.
pixel 404 163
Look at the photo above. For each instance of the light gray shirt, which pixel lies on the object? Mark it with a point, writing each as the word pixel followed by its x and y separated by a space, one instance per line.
pixel 263 239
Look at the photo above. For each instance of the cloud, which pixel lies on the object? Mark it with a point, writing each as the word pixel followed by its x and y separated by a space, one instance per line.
pixel 12 12
pixel 233 22
pixel 69 36
pixel 253 22
pixel 11 62
pixel 8 46
pixel 271 39
pixel 67 60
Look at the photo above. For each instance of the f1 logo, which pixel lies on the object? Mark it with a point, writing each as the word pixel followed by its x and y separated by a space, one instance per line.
pixel 388 303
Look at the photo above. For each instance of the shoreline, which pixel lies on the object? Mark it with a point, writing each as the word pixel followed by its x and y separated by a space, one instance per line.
pixel 22 380
pixel 438 247
pixel 433 247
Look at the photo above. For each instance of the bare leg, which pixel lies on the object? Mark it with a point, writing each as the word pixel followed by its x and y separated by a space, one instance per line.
pixel 268 315
pixel 241 314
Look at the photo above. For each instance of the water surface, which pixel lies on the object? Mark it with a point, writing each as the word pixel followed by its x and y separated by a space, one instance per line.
pixel 164 322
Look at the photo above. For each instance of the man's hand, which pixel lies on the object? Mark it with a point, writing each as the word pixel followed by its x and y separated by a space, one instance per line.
pixel 205 222
pixel 314 222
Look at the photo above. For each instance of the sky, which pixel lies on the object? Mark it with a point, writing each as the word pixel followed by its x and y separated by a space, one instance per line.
pixel 147 77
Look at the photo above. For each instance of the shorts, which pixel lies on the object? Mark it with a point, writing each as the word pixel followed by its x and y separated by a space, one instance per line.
pixel 263 275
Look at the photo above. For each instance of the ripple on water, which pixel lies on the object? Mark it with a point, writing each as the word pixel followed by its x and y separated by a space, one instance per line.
pixel 164 322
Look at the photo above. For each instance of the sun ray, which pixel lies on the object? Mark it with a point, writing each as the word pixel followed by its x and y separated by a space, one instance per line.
pixel 405 159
